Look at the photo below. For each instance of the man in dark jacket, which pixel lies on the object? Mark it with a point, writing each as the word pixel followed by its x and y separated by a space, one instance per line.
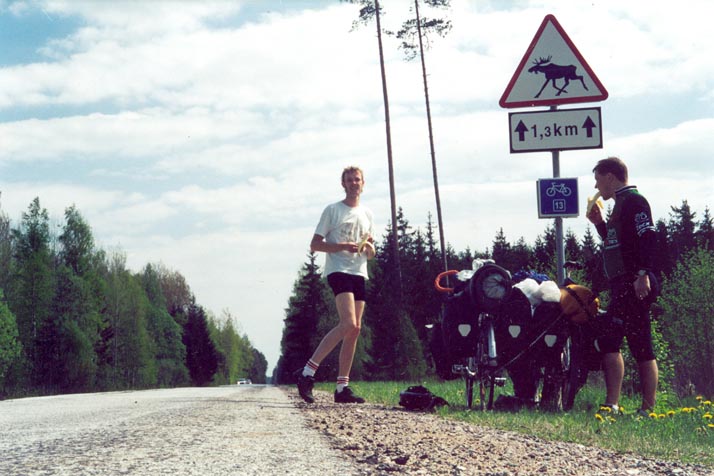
pixel 629 245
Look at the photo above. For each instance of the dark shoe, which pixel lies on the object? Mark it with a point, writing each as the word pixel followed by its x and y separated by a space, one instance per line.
pixel 346 396
pixel 304 385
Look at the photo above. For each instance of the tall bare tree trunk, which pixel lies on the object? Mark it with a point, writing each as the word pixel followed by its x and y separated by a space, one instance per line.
pixel 392 194
pixel 431 142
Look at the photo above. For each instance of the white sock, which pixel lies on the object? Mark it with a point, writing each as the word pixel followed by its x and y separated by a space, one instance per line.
pixel 310 369
pixel 342 382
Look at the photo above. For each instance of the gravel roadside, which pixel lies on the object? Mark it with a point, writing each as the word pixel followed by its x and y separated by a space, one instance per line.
pixel 390 440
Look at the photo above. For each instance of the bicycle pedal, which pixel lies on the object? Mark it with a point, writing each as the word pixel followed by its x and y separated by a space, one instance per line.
pixel 500 381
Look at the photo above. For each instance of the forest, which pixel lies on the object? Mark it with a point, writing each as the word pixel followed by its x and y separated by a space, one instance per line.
pixel 402 301
pixel 73 318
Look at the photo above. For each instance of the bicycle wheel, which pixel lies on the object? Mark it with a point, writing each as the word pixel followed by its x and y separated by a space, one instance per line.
pixel 483 370
pixel 575 374
pixel 469 379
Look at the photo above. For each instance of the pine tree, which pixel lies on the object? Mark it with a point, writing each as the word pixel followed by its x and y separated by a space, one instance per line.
pixel 705 231
pixel 306 309
pixel 544 252
pixel 387 311
pixel 259 369
pixel 501 251
pixel 664 259
pixel 593 270
pixel 572 246
pixel 201 356
pixel 682 226
pixel 31 292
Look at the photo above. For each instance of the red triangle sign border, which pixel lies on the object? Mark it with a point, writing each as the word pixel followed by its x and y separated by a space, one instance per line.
pixel 506 103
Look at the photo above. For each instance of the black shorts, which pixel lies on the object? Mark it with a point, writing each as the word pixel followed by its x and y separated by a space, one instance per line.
pixel 347 283
pixel 628 317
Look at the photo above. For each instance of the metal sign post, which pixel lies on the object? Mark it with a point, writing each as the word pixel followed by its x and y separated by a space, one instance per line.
pixel 559 248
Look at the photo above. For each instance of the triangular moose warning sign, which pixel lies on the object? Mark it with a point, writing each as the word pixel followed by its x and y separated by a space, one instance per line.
pixel 552 72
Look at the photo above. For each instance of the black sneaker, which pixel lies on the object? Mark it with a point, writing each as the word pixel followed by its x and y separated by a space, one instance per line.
pixel 304 385
pixel 346 396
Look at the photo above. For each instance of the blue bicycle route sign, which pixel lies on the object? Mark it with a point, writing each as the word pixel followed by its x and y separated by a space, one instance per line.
pixel 557 197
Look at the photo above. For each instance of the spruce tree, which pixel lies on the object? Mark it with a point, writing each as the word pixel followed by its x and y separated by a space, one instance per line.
pixel 201 356
pixel 682 227
pixel 705 231
pixel 306 308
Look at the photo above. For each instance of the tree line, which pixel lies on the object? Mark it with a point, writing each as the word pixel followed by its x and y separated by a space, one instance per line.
pixel 394 343
pixel 73 318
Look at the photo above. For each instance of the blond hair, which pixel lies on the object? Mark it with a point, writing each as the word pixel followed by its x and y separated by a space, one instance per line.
pixel 351 169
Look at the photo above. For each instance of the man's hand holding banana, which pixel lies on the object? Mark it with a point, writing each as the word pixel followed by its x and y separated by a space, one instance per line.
pixel 367 246
pixel 593 209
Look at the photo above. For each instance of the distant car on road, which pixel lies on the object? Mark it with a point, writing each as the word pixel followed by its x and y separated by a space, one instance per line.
pixel 245 381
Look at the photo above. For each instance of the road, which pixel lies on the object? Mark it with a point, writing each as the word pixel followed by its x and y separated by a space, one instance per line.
pixel 232 430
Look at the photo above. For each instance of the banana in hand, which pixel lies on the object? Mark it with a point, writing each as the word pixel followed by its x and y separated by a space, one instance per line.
pixel 592 201
pixel 363 243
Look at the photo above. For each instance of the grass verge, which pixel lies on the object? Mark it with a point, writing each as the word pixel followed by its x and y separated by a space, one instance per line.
pixel 678 430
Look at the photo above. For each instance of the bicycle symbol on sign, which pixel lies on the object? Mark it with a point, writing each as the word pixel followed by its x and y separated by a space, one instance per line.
pixel 561 188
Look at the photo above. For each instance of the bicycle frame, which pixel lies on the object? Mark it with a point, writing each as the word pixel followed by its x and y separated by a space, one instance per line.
pixel 482 367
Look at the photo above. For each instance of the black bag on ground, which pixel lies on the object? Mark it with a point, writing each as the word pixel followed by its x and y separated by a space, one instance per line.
pixel 418 397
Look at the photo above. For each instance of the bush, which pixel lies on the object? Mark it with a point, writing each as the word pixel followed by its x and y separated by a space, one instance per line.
pixel 687 313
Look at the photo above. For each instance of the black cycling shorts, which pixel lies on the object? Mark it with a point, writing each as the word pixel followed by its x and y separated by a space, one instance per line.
pixel 629 318
pixel 347 283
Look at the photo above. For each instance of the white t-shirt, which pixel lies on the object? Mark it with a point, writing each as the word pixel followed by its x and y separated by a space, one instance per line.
pixel 342 223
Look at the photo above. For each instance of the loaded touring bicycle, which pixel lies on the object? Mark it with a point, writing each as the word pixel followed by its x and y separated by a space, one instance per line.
pixel 494 325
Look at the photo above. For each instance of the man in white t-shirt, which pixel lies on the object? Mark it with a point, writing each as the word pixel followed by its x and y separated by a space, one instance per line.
pixel 345 233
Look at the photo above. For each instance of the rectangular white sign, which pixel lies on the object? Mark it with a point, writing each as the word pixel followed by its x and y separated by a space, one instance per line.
pixel 560 129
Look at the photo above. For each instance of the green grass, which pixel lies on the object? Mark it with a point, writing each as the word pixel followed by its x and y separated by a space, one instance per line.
pixel 682 430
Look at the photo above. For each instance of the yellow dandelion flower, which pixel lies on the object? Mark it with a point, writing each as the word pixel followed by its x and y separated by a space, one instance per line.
pixel 708 402
pixel 605 409
pixel 700 398
pixel 670 413
pixel 711 425
pixel 599 417
pixel 661 415
pixel 611 419
pixel 707 416
pixel 653 415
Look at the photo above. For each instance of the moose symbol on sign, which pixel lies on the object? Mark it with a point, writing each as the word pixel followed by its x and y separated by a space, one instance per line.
pixel 553 72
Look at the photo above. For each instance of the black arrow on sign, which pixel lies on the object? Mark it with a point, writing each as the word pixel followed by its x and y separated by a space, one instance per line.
pixel 521 129
pixel 589 125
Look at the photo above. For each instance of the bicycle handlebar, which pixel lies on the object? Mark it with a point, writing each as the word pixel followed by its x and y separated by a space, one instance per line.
pixel 444 274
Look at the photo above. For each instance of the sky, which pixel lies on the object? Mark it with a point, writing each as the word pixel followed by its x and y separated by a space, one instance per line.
pixel 208 136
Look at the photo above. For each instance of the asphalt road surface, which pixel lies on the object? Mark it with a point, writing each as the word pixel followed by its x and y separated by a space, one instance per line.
pixel 232 430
